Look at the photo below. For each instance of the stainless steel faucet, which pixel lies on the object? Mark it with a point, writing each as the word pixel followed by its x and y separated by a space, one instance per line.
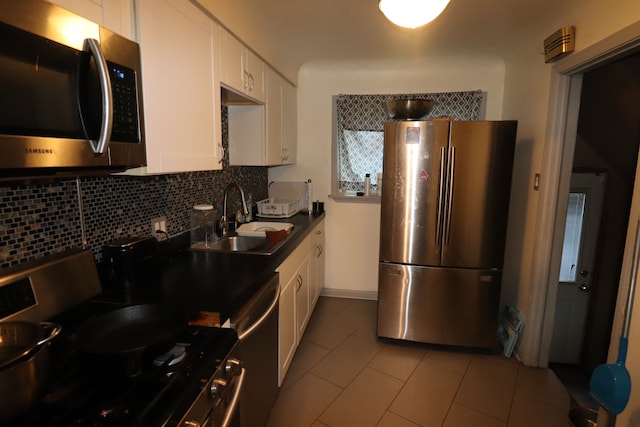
pixel 224 222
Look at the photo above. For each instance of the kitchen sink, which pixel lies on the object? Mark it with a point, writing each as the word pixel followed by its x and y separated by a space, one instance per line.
pixel 247 245
pixel 240 244
pixel 261 228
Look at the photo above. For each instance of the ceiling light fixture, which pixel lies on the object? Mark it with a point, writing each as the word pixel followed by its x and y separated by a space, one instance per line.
pixel 412 13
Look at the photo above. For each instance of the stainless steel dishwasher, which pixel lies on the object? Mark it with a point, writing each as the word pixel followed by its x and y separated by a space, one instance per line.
pixel 257 326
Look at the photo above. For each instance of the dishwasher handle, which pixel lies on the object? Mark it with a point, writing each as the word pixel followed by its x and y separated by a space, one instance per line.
pixel 242 336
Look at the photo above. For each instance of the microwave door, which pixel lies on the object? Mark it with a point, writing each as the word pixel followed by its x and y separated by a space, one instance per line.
pixel 40 122
pixel 38 82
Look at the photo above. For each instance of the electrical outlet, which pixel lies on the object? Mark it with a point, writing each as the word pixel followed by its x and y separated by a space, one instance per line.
pixel 158 224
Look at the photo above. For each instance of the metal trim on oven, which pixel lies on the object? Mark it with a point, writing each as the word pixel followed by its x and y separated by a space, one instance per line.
pixel 217 404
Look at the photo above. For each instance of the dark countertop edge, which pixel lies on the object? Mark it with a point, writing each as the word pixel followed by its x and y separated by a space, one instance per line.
pixel 211 281
pixel 303 225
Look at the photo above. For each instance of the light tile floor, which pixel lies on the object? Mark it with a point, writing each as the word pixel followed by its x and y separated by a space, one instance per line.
pixel 343 376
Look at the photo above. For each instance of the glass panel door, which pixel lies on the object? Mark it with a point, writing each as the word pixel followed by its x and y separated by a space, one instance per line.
pixel 572 237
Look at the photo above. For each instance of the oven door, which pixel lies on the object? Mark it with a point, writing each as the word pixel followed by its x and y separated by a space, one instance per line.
pixel 217 404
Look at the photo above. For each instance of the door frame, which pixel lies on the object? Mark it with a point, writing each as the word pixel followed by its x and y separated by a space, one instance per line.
pixel 560 137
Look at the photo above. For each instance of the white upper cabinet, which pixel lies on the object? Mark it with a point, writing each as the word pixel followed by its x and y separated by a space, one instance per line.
pixel 254 69
pixel 281 120
pixel 116 15
pixel 274 149
pixel 181 86
pixel 240 69
pixel 289 123
pixel 265 135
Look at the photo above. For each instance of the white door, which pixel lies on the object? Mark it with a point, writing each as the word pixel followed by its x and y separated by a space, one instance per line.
pixel 578 253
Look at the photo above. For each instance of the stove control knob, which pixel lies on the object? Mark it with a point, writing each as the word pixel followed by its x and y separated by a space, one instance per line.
pixel 217 388
pixel 233 367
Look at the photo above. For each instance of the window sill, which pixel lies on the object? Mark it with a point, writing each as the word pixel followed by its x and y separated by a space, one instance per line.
pixel 352 197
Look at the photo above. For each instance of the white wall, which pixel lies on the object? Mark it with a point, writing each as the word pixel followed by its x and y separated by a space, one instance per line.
pixel 352 229
pixel 527 92
pixel 527 95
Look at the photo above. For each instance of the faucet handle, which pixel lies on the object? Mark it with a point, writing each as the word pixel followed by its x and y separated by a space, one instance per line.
pixel 222 226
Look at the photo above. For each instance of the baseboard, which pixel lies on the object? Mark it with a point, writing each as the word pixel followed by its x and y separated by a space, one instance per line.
pixel 349 293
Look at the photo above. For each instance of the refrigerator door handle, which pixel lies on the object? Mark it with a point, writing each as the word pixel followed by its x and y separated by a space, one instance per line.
pixel 441 196
pixel 447 218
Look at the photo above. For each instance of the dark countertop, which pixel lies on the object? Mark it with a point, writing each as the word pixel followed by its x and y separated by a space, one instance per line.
pixel 194 281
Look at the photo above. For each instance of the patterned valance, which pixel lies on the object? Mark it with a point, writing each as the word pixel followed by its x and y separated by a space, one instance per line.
pixel 366 112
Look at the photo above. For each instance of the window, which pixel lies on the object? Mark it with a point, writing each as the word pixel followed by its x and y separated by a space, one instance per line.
pixel 572 236
pixel 359 131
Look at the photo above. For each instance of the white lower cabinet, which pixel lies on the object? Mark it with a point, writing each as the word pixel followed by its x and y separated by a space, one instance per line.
pixel 316 264
pixel 286 328
pixel 303 306
pixel 294 308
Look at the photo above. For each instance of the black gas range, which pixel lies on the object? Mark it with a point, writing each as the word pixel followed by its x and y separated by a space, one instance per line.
pixel 114 364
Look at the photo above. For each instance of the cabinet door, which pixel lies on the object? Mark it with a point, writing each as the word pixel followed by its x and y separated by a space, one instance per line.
pixel 317 261
pixel 274 118
pixel 286 328
pixel 254 71
pixel 231 61
pixel 113 14
pixel 181 86
pixel 302 299
pixel 289 123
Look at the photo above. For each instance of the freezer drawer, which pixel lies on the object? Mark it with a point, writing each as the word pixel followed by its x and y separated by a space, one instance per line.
pixel 439 305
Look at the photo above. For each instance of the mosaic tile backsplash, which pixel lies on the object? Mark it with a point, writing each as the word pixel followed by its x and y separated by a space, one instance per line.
pixel 40 219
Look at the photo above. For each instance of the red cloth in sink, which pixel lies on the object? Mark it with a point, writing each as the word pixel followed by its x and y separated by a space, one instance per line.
pixel 273 237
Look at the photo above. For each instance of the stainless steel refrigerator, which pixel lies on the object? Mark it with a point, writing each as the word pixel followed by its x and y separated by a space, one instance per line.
pixel 445 202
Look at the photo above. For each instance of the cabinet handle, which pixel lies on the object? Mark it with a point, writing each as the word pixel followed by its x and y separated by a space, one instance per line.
pixel 252 82
pixel 276 298
pixel 221 148
pixel 246 80
pixel 299 280
pixel 320 250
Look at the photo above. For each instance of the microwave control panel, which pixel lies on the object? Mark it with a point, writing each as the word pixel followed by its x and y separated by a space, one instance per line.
pixel 125 103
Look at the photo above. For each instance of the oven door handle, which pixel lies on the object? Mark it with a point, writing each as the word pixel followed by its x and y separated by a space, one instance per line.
pixel 233 404
pixel 262 318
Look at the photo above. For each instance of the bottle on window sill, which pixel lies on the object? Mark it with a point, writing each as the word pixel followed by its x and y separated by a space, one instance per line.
pixel 367 185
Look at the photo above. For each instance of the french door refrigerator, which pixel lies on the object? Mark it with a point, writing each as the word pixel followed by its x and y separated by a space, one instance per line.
pixel 445 202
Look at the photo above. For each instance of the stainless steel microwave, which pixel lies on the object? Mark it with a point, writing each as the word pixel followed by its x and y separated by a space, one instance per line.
pixel 70 94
